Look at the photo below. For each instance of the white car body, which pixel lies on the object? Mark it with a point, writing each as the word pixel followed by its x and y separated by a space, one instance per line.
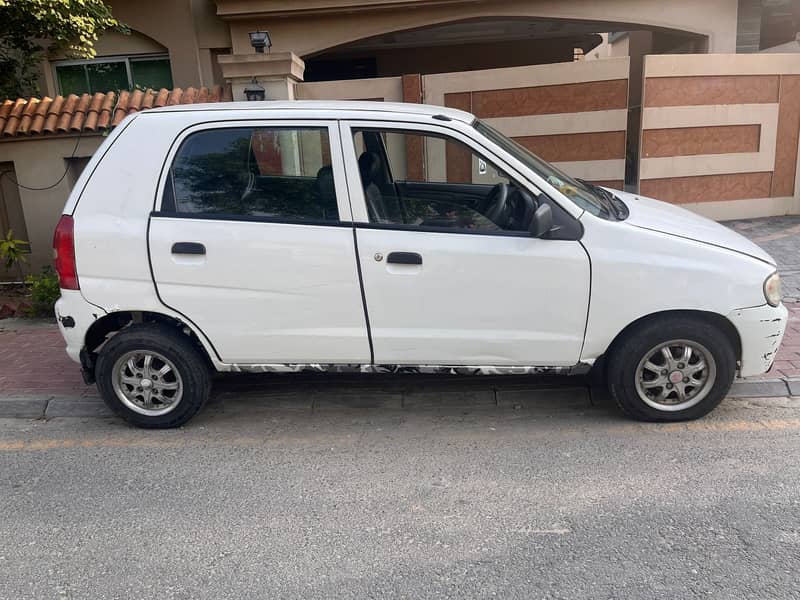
pixel 277 296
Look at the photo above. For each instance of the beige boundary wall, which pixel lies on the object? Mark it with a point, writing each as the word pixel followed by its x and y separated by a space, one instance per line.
pixel 720 133
pixel 38 163
pixel 385 89
pixel 572 114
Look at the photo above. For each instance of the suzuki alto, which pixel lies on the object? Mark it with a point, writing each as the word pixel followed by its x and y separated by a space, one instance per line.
pixel 380 237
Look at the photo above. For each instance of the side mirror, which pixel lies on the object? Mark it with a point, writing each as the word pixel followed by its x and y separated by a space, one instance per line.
pixel 542 221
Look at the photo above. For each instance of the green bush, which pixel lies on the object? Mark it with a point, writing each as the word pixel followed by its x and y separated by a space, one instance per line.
pixel 13 251
pixel 44 291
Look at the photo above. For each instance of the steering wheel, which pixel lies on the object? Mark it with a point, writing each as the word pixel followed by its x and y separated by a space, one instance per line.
pixel 495 204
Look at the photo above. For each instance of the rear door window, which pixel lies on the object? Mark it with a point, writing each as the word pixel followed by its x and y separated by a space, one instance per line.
pixel 275 173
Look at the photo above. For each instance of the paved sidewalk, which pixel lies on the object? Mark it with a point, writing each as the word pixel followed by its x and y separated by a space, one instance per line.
pixel 32 360
pixel 37 379
pixel 780 237
pixel 787 361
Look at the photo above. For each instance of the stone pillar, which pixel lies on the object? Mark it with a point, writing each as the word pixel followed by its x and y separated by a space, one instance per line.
pixel 415 151
pixel 277 73
pixel 748 34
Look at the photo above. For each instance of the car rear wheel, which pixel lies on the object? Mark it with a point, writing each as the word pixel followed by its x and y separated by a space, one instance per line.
pixel 671 369
pixel 153 376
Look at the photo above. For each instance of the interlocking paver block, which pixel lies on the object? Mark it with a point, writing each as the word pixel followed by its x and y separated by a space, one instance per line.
pixel 34 360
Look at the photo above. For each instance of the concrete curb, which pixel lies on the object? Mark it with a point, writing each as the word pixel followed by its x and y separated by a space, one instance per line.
pixel 516 396
pixel 23 406
pixel 77 407
pixel 764 388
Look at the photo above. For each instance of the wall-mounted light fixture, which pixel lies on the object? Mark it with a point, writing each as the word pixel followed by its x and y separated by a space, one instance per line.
pixel 260 40
pixel 255 92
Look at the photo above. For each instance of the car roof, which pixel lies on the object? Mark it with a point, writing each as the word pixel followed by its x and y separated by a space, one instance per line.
pixel 349 106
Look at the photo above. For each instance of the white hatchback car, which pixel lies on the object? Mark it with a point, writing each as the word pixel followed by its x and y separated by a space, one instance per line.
pixel 382 237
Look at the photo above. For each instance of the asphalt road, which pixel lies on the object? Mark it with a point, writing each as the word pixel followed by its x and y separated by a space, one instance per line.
pixel 553 500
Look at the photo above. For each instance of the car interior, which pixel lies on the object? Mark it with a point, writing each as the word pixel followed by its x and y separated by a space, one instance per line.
pixel 501 206
pixel 299 196
pixel 215 182
pixel 218 172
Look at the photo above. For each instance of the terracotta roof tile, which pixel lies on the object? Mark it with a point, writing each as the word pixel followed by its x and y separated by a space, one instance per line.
pixel 79 115
pixel 12 121
pixel 135 101
pixel 65 117
pixel 161 99
pixel 97 102
pixel 30 107
pixel 104 118
pixel 27 116
pixel 108 103
pixel 53 112
pixel 34 116
pixel 121 110
pixel 40 115
pixel 147 101
pixel 5 109
pixel 92 114
pixel 188 96
pixel 175 97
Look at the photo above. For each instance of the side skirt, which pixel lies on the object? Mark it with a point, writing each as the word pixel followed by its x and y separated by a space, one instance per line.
pixel 579 369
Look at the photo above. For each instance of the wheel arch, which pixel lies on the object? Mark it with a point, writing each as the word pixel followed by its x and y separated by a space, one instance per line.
pixel 720 321
pixel 103 328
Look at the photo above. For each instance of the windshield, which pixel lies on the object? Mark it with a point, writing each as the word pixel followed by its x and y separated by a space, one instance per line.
pixel 580 193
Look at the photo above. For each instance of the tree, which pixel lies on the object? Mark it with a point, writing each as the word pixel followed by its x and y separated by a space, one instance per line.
pixel 28 28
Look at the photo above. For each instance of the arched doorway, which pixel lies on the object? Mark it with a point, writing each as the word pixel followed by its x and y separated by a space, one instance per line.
pixel 487 43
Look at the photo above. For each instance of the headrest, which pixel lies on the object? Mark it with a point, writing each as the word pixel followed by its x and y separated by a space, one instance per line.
pixel 369 165
pixel 325 182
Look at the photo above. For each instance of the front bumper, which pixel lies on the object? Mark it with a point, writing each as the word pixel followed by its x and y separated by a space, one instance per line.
pixel 761 330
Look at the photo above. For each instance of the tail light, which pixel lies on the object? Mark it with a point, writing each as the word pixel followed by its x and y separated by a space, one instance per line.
pixel 64 252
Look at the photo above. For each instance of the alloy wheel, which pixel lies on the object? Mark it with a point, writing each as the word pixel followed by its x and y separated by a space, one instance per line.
pixel 675 375
pixel 147 382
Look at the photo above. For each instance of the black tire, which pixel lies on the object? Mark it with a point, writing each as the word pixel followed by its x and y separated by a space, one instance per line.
pixel 629 351
pixel 173 345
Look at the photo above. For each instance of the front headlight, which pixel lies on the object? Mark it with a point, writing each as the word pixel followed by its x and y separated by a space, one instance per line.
pixel 772 289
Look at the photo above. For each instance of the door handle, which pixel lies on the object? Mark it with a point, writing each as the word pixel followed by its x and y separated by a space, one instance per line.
pixel 404 258
pixel 188 248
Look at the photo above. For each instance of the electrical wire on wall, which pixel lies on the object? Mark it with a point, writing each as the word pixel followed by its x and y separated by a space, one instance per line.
pixel 11 176
pixel 13 179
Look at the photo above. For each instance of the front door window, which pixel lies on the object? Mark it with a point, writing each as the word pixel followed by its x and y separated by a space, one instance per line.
pixel 424 180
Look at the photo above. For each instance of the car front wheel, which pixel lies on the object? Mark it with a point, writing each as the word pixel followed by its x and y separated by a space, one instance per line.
pixel 671 369
pixel 153 376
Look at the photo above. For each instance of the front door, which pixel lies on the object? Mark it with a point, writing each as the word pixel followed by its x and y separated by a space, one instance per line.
pixel 450 274
pixel 253 242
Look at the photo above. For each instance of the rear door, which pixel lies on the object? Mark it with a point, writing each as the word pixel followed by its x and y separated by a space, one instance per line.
pixel 252 241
